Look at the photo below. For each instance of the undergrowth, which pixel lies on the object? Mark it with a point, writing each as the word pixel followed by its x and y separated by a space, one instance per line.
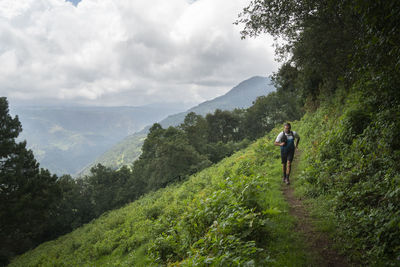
pixel 351 173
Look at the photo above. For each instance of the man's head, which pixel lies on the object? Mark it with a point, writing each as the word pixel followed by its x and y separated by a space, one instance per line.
pixel 287 127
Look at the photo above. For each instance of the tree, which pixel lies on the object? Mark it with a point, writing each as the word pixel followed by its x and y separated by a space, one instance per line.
pixel 223 126
pixel 320 38
pixel 28 196
pixel 195 127
pixel 108 189
pixel 167 157
pixel 74 207
pixel 268 111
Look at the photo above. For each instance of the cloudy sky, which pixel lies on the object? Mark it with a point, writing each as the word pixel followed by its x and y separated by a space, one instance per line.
pixel 125 52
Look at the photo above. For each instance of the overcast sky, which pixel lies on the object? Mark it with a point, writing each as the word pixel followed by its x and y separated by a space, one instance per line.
pixel 125 52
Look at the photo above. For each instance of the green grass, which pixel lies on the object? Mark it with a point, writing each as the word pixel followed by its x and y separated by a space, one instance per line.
pixel 231 213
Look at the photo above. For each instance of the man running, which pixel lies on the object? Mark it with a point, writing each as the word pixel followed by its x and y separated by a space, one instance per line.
pixel 286 140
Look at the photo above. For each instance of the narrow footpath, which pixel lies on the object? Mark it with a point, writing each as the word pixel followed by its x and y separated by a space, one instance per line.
pixel 318 243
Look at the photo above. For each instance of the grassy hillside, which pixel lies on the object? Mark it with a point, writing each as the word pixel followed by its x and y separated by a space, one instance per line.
pixel 230 213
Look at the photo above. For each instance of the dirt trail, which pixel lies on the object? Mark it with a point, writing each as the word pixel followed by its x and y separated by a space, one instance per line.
pixel 318 243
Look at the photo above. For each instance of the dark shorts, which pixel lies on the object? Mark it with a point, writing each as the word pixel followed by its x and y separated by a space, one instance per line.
pixel 287 155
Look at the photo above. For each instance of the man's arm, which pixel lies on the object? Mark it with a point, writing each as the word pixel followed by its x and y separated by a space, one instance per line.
pixel 298 140
pixel 278 142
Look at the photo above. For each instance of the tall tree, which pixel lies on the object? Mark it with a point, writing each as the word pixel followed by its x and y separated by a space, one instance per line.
pixel 223 126
pixel 167 157
pixel 195 127
pixel 107 188
pixel 320 38
pixel 27 194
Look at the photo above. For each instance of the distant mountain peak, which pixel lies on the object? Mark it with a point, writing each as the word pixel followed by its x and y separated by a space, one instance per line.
pixel 255 85
pixel 240 96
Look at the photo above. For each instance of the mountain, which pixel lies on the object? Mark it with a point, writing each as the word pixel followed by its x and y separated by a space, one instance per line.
pixel 241 96
pixel 65 139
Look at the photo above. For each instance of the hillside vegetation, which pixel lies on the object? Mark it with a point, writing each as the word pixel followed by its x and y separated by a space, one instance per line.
pixel 351 173
pixel 230 214
pixel 169 155
pixel 233 213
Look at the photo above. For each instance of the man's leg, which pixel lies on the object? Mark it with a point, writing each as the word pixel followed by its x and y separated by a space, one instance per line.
pixel 290 156
pixel 284 172
pixel 284 160
pixel 289 167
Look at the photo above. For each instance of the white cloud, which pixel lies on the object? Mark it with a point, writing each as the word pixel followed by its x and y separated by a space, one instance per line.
pixel 124 52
